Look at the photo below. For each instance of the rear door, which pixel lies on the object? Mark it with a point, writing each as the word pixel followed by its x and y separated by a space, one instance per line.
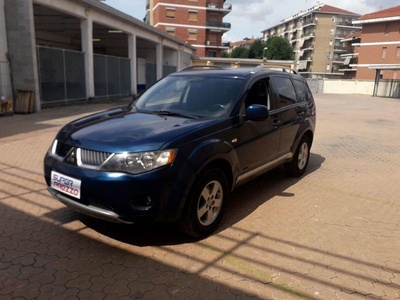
pixel 290 112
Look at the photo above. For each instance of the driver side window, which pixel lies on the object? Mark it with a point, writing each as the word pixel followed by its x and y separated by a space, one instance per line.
pixel 259 94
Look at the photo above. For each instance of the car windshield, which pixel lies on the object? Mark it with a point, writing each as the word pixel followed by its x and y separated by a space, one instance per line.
pixel 190 96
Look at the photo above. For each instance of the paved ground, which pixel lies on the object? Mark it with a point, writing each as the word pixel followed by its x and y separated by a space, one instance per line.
pixel 333 234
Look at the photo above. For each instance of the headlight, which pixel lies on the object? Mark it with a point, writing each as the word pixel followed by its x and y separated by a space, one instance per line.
pixel 140 162
pixel 53 147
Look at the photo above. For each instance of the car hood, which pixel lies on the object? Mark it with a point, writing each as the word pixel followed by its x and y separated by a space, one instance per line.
pixel 119 131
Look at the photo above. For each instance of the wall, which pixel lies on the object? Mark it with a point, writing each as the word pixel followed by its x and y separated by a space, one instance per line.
pixel 362 87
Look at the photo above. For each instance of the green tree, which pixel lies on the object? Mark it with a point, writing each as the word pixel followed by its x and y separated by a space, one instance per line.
pixel 240 52
pixel 257 49
pixel 279 48
pixel 225 54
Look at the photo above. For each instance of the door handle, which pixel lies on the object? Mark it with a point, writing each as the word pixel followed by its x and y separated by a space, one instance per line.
pixel 277 123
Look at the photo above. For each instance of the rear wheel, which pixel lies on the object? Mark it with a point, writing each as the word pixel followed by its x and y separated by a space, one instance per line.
pixel 206 203
pixel 298 165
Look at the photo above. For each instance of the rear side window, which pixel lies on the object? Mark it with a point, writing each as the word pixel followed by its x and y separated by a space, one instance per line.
pixel 285 88
pixel 302 90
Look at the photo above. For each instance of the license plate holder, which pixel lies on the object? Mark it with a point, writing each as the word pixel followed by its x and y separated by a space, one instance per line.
pixel 66 184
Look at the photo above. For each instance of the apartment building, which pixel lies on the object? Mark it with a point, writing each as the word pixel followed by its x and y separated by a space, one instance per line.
pixel 246 42
pixel 198 22
pixel 379 47
pixel 316 35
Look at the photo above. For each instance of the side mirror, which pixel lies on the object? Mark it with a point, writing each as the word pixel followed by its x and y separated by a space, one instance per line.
pixel 257 113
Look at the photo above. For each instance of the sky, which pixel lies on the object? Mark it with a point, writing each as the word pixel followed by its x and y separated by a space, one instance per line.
pixel 248 20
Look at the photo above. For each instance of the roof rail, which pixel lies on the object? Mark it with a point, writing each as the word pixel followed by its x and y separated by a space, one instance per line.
pixel 276 68
pixel 201 67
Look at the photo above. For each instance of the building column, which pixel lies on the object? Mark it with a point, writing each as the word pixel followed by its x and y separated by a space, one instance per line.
pixel 22 46
pixel 376 85
pixel 87 48
pixel 133 56
pixel 179 58
pixel 4 92
pixel 159 60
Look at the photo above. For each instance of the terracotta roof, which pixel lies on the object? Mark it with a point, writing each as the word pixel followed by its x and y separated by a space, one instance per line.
pixel 332 9
pixel 243 42
pixel 353 35
pixel 385 13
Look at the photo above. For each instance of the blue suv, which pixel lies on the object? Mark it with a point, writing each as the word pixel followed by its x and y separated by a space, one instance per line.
pixel 178 151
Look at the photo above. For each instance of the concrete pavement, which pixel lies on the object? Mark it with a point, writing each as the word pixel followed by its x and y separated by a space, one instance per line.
pixel 333 234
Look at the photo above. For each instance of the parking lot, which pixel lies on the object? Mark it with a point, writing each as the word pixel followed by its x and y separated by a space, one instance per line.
pixel 335 233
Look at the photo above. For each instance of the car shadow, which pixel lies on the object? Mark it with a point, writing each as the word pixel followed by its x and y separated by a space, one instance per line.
pixel 262 189
pixel 269 185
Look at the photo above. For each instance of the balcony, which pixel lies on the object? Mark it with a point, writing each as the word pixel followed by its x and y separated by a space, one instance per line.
pixel 215 45
pixel 347 24
pixel 337 61
pixel 147 5
pixel 309 35
pixel 225 8
pixel 305 58
pixel 340 37
pixel 309 23
pixel 307 48
pixel 218 25
pixel 340 49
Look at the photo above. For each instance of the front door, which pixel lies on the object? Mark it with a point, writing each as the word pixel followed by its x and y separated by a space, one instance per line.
pixel 258 141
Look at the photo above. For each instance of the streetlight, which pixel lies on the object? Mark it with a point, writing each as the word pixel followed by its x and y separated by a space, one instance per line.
pixel 265 54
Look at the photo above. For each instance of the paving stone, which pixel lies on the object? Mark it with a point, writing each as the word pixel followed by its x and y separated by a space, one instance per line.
pixel 333 234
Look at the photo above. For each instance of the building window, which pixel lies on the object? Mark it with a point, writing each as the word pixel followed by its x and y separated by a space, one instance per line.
pixel 212 17
pixel 387 29
pixel 384 50
pixel 170 13
pixel 211 53
pixel 398 52
pixel 171 31
pixel 192 34
pixel 328 67
pixel 332 31
pixel 333 19
pixel 192 15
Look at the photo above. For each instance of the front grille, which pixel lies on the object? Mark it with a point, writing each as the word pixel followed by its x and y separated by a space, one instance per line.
pixel 62 149
pixel 93 158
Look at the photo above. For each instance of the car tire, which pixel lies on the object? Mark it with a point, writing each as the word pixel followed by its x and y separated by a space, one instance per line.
pixel 205 204
pixel 298 165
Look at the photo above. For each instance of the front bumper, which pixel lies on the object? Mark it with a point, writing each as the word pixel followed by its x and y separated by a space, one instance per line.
pixel 120 197
pixel 89 210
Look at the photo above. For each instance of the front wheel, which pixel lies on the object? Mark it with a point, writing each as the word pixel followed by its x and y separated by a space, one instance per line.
pixel 298 165
pixel 205 206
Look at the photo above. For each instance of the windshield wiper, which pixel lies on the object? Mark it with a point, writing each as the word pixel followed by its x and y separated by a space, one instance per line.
pixel 171 113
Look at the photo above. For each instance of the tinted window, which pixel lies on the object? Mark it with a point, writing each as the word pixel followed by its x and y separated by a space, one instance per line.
pixel 259 94
pixel 302 90
pixel 287 93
